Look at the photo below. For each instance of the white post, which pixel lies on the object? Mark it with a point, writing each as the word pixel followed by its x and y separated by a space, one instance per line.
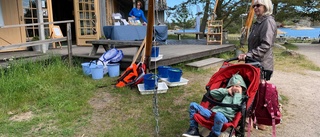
pixel 103 17
pixel 41 27
pixel 134 3
pixel 1 17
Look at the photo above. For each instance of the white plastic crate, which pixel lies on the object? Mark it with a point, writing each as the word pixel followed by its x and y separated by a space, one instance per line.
pixel 182 81
pixel 153 59
pixel 162 88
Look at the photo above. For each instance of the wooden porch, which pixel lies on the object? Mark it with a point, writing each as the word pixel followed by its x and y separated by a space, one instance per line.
pixel 173 52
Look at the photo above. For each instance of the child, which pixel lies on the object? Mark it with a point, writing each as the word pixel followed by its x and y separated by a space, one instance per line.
pixel 232 94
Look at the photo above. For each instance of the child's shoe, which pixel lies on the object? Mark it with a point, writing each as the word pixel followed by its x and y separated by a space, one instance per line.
pixel 192 132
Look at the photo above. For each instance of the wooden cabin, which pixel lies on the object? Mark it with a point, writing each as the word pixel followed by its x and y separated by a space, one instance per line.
pixel 89 17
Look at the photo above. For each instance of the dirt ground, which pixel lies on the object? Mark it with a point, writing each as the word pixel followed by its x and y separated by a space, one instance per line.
pixel 301 114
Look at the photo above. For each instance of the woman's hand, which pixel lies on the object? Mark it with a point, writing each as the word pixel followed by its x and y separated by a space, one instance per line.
pixel 133 17
pixel 242 57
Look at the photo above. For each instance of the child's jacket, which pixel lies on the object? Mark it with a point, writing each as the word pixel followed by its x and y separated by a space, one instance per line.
pixel 222 95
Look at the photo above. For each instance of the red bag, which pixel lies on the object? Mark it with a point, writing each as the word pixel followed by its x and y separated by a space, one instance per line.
pixel 266 109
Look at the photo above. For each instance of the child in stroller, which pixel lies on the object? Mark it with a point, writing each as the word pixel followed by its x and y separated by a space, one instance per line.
pixel 232 94
pixel 250 73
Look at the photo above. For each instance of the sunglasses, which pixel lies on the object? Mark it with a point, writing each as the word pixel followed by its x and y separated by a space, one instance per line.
pixel 256 5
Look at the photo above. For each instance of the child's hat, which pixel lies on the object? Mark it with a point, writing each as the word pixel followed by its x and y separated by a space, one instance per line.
pixel 236 79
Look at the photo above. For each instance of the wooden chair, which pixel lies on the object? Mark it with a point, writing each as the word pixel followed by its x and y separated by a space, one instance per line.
pixel 56 33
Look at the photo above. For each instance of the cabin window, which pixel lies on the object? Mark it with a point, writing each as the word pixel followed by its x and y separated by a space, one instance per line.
pixel 30 16
pixel 87 17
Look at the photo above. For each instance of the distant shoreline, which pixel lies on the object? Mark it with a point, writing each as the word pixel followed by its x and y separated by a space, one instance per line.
pixel 299 27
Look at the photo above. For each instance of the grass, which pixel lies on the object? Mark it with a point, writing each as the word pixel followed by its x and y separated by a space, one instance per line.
pixel 64 102
pixel 55 93
pixel 290 46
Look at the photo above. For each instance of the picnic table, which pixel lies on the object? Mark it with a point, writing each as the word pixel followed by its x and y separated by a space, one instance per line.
pixel 107 44
pixel 180 33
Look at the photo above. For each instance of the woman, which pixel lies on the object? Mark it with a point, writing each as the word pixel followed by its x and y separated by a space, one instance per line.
pixel 137 13
pixel 262 38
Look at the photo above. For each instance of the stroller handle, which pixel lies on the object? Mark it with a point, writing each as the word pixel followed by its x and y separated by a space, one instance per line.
pixel 247 59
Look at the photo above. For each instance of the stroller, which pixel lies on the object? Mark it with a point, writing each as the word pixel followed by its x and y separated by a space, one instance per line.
pixel 251 74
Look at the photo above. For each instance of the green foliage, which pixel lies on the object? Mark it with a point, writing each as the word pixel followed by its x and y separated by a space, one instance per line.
pixel 183 17
pixel 35 38
pixel 226 55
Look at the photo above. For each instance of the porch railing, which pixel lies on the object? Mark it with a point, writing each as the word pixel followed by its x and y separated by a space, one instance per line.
pixel 67 38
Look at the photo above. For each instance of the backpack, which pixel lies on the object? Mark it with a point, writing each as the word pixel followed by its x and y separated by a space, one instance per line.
pixel 266 109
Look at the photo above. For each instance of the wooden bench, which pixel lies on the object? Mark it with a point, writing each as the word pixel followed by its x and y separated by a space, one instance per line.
pixel 180 33
pixel 107 44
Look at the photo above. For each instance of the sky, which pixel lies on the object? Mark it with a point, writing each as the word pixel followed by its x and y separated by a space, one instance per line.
pixel 171 3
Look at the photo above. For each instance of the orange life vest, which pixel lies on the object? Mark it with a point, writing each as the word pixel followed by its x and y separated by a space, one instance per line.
pixel 132 76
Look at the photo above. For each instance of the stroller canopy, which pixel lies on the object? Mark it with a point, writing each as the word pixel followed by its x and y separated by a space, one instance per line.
pixel 250 74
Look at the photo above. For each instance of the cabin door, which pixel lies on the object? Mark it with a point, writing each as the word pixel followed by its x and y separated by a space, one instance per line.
pixel 12 15
pixel 86 20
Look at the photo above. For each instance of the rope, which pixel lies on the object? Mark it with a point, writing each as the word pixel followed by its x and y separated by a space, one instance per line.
pixel 155 95
pixel 155 109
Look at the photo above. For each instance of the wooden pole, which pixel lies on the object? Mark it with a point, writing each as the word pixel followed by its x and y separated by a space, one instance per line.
pixel 139 52
pixel 149 34
pixel 214 10
pixel 247 26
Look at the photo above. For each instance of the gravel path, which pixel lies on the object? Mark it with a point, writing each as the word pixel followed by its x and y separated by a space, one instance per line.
pixel 301 114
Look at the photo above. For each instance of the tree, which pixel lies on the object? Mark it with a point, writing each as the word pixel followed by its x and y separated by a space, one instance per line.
pixel 310 8
pixel 183 17
pixel 205 18
pixel 285 10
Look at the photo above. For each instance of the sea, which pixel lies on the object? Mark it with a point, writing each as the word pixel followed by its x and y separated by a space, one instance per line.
pixel 294 33
pixel 311 33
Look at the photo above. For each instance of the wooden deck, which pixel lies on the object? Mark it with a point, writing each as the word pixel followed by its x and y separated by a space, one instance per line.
pixel 172 54
pixel 182 53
